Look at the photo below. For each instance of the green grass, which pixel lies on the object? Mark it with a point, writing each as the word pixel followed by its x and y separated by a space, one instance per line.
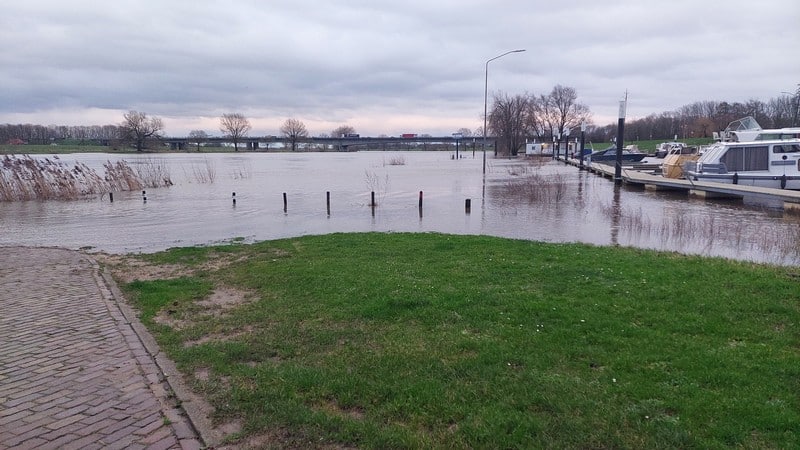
pixel 53 149
pixel 428 340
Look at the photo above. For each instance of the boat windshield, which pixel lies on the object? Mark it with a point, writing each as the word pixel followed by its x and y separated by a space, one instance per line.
pixel 744 124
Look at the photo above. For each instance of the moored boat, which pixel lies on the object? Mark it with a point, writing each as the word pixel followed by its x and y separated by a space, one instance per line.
pixel 609 156
pixel 772 164
pixel 678 156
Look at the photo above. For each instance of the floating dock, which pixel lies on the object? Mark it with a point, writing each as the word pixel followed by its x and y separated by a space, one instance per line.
pixel 640 175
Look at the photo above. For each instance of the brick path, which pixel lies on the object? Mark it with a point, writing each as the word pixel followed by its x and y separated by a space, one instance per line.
pixel 73 373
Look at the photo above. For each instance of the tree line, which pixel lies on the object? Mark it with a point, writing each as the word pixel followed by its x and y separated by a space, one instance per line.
pixel 546 118
pixel 513 120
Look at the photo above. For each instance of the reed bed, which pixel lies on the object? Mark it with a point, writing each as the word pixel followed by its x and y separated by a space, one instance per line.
pixel 25 178
pixel 538 188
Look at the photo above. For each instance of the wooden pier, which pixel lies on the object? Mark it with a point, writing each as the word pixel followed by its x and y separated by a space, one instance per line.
pixel 642 176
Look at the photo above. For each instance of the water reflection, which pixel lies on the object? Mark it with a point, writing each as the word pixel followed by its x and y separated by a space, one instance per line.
pixel 616 213
pixel 331 192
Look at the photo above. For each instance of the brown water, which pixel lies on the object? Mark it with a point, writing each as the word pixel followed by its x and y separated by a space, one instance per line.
pixel 545 201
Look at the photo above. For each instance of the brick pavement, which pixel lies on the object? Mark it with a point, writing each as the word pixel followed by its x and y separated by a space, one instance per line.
pixel 73 373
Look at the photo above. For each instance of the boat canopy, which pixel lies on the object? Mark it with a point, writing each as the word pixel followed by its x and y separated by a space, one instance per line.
pixel 745 124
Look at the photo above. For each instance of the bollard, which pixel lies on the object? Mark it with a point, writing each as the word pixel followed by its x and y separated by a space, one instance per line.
pixel 420 199
pixel 234 198
pixel 328 201
pixel 111 197
pixel 284 202
pixel 468 205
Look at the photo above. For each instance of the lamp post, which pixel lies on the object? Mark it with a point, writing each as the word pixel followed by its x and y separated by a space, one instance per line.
pixel 486 100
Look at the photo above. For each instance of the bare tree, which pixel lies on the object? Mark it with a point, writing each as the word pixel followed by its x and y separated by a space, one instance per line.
pixel 235 126
pixel 137 127
pixel 465 132
pixel 508 121
pixel 294 130
pixel 198 137
pixel 565 110
pixel 342 131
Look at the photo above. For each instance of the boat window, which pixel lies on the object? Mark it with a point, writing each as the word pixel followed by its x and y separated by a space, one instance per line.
pixel 746 158
pixel 786 148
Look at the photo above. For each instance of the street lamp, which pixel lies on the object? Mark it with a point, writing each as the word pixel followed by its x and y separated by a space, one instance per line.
pixel 486 100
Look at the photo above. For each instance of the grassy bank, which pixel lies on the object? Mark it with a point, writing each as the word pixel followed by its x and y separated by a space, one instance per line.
pixel 428 340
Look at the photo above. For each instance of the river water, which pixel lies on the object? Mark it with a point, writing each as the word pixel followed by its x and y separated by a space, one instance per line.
pixel 525 199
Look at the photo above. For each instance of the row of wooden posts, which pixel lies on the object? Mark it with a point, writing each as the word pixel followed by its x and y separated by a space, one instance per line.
pixel 372 204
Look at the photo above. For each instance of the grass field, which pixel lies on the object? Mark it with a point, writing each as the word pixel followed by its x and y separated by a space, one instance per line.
pixel 432 341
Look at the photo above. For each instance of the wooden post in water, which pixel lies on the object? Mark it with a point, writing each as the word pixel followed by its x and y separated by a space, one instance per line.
pixel 372 202
pixel 420 199
pixel 468 205
pixel 111 197
pixel 285 205
pixel 328 201
pixel 234 198
pixel 144 196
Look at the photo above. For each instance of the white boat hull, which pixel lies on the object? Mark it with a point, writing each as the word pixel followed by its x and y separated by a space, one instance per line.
pixel 749 179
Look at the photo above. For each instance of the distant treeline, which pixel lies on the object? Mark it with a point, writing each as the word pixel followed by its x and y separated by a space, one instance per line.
pixel 701 119
pixel 41 134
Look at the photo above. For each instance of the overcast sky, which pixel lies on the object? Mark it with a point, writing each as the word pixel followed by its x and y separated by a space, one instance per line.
pixel 383 67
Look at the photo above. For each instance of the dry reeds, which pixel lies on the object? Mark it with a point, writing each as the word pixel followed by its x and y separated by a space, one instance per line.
pixel 153 172
pixel 26 178
pixel 206 172
pixel 399 160
pixel 538 188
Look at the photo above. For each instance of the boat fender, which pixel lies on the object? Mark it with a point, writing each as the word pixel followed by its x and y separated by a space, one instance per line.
pixel 783 181
pixel 736 178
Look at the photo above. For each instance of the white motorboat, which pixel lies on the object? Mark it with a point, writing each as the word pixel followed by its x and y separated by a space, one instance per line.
pixel 772 164
pixel 747 129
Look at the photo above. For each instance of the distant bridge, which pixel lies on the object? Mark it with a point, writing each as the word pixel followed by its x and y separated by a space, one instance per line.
pixel 343 143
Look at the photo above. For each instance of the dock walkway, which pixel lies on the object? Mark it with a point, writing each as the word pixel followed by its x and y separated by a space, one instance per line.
pixel 705 189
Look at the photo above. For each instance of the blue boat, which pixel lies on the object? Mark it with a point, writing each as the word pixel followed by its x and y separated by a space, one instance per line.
pixel 609 156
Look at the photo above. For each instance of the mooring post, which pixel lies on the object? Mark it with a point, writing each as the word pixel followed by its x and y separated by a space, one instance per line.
pixel 284 202
pixel 468 205
pixel 111 197
pixel 372 199
pixel 328 201
pixel 420 199
pixel 234 198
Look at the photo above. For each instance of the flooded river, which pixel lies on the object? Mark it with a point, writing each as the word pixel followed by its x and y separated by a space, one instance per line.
pixel 542 200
